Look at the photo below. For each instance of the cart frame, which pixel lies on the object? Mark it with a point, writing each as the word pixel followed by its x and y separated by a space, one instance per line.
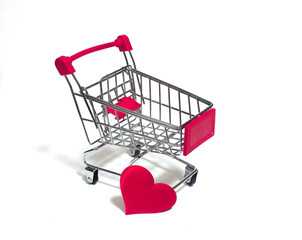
pixel 139 131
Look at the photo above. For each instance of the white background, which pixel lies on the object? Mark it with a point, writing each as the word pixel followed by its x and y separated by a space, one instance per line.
pixel 244 56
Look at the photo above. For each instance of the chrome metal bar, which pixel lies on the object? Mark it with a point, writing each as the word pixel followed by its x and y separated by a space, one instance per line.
pixel 77 94
pixel 198 105
pixel 179 102
pixel 167 137
pixel 142 130
pixel 141 89
pixel 181 141
pixel 159 98
pixel 189 106
pixel 109 126
pixel 101 91
pixel 150 96
pixel 93 112
pixel 101 131
pixel 78 109
pixel 154 132
pixel 126 58
pixel 103 169
pixel 185 178
pixel 109 96
pixel 76 80
pixel 121 132
pixel 133 86
pixel 134 65
pixel 169 104
pixel 137 158
pixel 132 137
pixel 90 150
pixel 88 120
pixel 116 88
pixel 123 85
pixel 81 89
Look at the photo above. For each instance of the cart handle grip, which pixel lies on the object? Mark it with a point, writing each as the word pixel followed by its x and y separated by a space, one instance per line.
pixel 64 64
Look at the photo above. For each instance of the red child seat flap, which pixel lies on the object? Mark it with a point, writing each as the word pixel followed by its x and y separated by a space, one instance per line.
pixel 199 130
pixel 125 102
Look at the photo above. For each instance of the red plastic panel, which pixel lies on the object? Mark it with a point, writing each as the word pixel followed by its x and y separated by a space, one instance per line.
pixel 123 43
pixel 64 65
pixel 142 195
pixel 199 130
pixel 125 102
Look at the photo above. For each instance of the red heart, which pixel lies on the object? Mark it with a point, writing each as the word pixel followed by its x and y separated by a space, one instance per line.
pixel 141 195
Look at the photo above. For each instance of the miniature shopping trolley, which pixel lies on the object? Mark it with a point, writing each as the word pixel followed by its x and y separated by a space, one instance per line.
pixel 133 110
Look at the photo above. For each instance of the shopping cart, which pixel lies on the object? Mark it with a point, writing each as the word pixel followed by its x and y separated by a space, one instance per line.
pixel 131 109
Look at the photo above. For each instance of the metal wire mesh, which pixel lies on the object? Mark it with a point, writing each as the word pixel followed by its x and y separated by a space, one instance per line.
pixel 158 126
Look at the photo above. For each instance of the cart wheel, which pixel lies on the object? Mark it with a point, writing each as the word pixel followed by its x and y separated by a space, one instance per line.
pixel 134 152
pixel 92 176
pixel 192 180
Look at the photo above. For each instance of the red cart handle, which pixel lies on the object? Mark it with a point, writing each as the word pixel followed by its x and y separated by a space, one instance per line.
pixel 64 64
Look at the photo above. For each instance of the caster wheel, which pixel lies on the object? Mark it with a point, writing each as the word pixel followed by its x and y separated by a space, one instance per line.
pixel 192 180
pixel 91 174
pixel 134 152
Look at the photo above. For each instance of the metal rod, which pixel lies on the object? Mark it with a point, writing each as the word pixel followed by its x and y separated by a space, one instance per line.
pixel 123 86
pixel 81 89
pixel 109 97
pixel 179 108
pixel 121 132
pixel 137 158
pixel 116 88
pixel 132 137
pixel 142 130
pixel 168 140
pixel 169 105
pixel 134 65
pixel 150 96
pixel 159 98
pixel 154 132
pixel 189 106
pixel 109 127
pixel 185 178
pixel 141 89
pixel 101 91
pixel 126 58
pixel 78 109
pixel 133 86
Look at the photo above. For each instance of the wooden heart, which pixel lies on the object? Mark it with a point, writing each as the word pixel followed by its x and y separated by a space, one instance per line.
pixel 141 195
